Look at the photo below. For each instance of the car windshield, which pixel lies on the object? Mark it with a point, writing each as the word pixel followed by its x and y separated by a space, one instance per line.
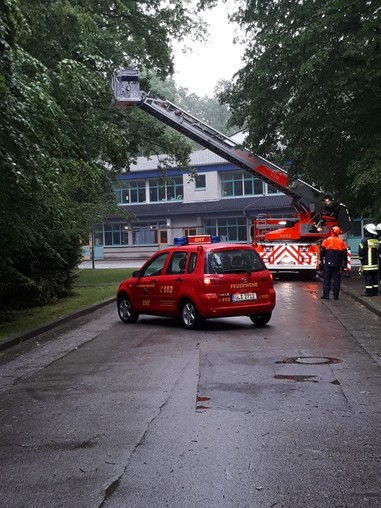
pixel 233 261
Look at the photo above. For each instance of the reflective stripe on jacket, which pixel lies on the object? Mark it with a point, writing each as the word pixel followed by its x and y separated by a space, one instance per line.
pixel 369 253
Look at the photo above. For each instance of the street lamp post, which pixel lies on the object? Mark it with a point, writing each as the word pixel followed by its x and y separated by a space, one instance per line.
pixel 92 247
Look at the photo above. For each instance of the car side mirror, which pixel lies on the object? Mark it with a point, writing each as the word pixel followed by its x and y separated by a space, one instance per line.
pixel 137 274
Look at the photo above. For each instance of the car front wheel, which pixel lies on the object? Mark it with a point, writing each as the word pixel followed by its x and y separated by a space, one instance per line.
pixel 261 319
pixel 190 316
pixel 125 310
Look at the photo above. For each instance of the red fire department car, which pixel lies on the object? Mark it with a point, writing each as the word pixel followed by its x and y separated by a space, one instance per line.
pixel 199 278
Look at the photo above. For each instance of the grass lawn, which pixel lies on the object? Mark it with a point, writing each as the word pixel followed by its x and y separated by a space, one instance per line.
pixel 91 287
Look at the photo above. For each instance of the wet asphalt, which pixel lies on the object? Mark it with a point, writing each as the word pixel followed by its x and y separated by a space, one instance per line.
pixel 232 416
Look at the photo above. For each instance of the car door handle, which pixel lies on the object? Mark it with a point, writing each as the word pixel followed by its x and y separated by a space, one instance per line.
pixel 179 279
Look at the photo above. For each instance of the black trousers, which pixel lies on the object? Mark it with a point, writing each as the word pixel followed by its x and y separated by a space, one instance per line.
pixel 371 282
pixel 331 273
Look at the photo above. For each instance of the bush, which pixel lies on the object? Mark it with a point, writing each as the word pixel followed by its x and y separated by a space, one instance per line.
pixel 40 275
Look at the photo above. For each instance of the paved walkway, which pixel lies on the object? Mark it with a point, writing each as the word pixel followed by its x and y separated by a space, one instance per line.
pixel 354 285
pixel 122 263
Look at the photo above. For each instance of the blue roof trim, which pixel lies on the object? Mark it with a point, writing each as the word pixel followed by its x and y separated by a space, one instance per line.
pixel 142 175
pixel 251 206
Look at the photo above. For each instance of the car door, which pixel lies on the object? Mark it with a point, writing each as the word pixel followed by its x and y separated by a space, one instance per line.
pixel 146 291
pixel 171 283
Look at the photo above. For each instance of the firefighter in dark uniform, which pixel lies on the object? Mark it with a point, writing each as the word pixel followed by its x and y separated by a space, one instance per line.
pixel 369 254
pixel 333 255
pixel 378 229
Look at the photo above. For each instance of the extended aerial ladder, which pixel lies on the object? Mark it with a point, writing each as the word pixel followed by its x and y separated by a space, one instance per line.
pixel 317 211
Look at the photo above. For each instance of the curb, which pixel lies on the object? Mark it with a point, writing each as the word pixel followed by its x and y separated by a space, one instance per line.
pixel 376 309
pixel 371 303
pixel 23 336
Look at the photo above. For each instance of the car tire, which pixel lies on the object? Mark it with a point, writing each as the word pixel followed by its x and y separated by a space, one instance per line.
pixel 261 319
pixel 126 311
pixel 190 316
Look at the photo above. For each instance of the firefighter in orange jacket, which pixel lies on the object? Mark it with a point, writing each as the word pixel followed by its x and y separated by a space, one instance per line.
pixel 333 254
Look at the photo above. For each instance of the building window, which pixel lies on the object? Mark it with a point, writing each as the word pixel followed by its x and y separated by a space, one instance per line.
pixel 240 184
pixel 130 192
pixel 137 192
pixel 189 232
pixel 252 186
pixel 229 230
pixel 272 190
pixel 144 234
pixel 166 190
pixel 163 236
pixel 114 234
pixel 356 228
pixel 200 182
pixel 98 235
pixel 147 233
pixel 210 227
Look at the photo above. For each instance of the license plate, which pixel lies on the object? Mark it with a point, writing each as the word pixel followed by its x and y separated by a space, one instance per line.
pixel 244 297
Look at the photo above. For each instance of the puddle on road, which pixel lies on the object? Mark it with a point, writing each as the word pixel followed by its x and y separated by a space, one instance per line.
pixel 292 377
pixel 311 360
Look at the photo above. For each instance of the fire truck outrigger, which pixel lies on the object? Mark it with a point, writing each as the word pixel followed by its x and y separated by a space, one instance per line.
pixel 292 248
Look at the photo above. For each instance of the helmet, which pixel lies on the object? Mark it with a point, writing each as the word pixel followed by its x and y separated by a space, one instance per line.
pixel 336 230
pixel 378 227
pixel 371 228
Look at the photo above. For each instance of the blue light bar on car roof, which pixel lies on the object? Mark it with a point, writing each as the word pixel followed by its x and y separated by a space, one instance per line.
pixel 196 239
pixel 180 240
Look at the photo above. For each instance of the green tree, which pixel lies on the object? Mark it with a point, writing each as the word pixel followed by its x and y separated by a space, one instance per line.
pixel 310 92
pixel 61 138
pixel 207 109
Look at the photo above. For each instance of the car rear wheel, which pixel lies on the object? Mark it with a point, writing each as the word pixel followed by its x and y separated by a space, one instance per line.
pixel 261 319
pixel 126 311
pixel 190 316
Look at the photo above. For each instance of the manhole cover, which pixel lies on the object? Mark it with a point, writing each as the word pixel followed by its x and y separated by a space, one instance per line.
pixel 311 360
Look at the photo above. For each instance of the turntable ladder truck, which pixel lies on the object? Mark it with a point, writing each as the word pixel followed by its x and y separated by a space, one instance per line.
pixel 294 248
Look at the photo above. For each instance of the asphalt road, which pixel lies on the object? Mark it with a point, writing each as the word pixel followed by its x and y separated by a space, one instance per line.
pixel 101 414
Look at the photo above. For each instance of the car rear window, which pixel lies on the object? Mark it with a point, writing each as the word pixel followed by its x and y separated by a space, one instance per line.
pixel 233 261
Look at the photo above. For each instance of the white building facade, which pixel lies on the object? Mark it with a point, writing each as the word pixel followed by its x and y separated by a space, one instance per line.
pixel 221 200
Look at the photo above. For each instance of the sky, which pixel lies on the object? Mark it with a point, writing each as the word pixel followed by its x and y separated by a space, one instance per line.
pixel 216 59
